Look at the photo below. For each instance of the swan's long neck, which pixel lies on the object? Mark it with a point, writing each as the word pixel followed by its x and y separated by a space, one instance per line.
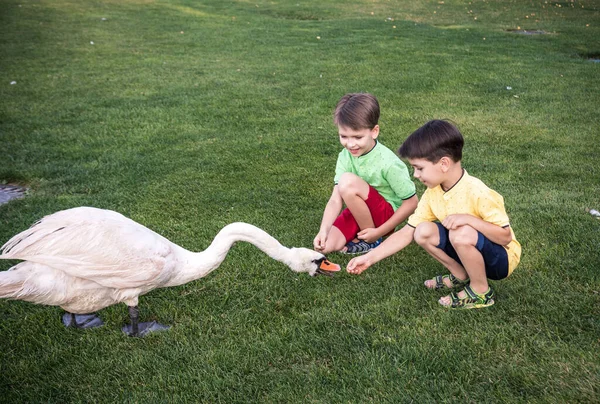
pixel 200 264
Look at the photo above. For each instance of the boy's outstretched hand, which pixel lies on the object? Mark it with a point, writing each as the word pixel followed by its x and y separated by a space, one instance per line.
pixel 358 264
pixel 320 241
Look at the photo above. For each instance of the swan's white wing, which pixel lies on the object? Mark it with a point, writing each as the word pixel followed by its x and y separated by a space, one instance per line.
pixel 99 245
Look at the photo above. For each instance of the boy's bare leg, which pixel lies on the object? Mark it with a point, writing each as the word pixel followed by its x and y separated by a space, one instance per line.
pixel 427 235
pixel 335 241
pixel 464 241
pixel 355 191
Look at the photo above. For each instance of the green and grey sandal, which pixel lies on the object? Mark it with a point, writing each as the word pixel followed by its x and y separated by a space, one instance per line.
pixel 439 282
pixel 472 300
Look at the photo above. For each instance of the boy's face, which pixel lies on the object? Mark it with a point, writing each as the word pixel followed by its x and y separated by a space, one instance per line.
pixel 358 142
pixel 430 174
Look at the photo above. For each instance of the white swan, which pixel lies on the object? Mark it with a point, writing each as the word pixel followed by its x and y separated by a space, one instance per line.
pixel 85 259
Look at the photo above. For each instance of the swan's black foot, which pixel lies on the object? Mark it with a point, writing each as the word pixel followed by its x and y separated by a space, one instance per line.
pixel 82 320
pixel 144 328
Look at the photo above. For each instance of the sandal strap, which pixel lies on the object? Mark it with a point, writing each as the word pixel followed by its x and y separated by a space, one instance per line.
pixel 455 300
pixel 454 281
pixel 471 293
pixel 439 281
pixel 457 282
pixel 475 297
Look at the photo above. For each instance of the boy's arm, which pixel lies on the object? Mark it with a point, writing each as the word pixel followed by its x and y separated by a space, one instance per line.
pixel 331 212
pixel 493 232
pixel 332 209
pixel 391 245
pixel 401 214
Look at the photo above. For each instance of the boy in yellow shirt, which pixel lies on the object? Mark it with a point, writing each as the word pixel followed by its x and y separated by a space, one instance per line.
pixel 459 221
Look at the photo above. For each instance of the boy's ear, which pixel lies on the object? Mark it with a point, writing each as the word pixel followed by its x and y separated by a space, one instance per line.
pixel 375 132
pixel 445 163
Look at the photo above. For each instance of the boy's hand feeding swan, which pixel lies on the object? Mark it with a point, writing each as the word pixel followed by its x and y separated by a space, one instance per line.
pixel 370 180
pixel 459 221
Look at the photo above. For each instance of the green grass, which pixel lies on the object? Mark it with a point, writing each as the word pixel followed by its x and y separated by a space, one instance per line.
pixel 186 116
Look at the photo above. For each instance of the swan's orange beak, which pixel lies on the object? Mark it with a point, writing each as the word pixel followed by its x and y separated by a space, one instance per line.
pixel 327 268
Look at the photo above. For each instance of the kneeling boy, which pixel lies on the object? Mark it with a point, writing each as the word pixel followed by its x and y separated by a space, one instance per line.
pixel 459 221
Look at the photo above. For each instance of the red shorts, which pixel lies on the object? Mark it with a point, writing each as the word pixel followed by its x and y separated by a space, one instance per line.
pixel 380 209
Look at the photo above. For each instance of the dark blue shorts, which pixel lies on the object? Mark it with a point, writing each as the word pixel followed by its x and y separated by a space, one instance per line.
pixel 494 255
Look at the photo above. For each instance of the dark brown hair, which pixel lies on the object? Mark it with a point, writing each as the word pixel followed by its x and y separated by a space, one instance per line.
pixel 357 111
pixel 432 141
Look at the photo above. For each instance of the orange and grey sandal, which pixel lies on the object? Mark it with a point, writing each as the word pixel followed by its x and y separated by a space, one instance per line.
pixel 472 299
pixel 439 282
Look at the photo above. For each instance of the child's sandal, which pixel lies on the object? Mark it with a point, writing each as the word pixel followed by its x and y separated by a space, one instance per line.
pixel 361 246
pixel 472 300
pixel 439 282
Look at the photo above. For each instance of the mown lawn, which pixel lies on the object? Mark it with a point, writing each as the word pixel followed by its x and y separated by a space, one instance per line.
pixel 188 115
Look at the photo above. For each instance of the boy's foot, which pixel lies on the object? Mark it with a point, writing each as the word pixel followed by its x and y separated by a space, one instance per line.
pixel 447 281
pixel 361 246
pixel 468 299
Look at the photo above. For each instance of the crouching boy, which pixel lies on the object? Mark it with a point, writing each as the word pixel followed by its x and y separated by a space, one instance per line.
pixel 459 221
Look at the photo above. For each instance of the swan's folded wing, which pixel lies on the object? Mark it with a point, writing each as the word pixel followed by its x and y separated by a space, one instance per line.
pixel 114 253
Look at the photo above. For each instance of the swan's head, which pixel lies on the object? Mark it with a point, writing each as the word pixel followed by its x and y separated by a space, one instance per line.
pixel 312 262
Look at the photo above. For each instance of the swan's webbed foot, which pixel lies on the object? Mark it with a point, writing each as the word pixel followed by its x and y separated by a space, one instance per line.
pixel 82 320
pixel 137 329
pixel 144 328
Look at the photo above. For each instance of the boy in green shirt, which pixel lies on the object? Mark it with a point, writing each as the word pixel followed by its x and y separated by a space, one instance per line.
pixel 370 180
pixel 459 221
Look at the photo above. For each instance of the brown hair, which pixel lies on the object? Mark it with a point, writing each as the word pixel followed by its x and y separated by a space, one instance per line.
pixel 432 141
pixel 357 111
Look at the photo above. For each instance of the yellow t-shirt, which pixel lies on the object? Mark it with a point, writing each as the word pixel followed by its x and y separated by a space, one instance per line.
pixel 468 196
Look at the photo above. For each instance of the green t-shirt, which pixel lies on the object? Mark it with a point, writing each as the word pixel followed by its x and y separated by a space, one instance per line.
pixel 382 169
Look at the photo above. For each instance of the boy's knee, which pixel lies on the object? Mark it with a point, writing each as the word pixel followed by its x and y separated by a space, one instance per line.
pixel 425 233
pixel 463 236
pixel 349 184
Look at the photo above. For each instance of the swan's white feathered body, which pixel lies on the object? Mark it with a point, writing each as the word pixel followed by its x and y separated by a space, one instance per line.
pixel 85 259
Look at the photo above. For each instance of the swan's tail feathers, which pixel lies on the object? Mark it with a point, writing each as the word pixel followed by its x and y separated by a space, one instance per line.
pixel 33 283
